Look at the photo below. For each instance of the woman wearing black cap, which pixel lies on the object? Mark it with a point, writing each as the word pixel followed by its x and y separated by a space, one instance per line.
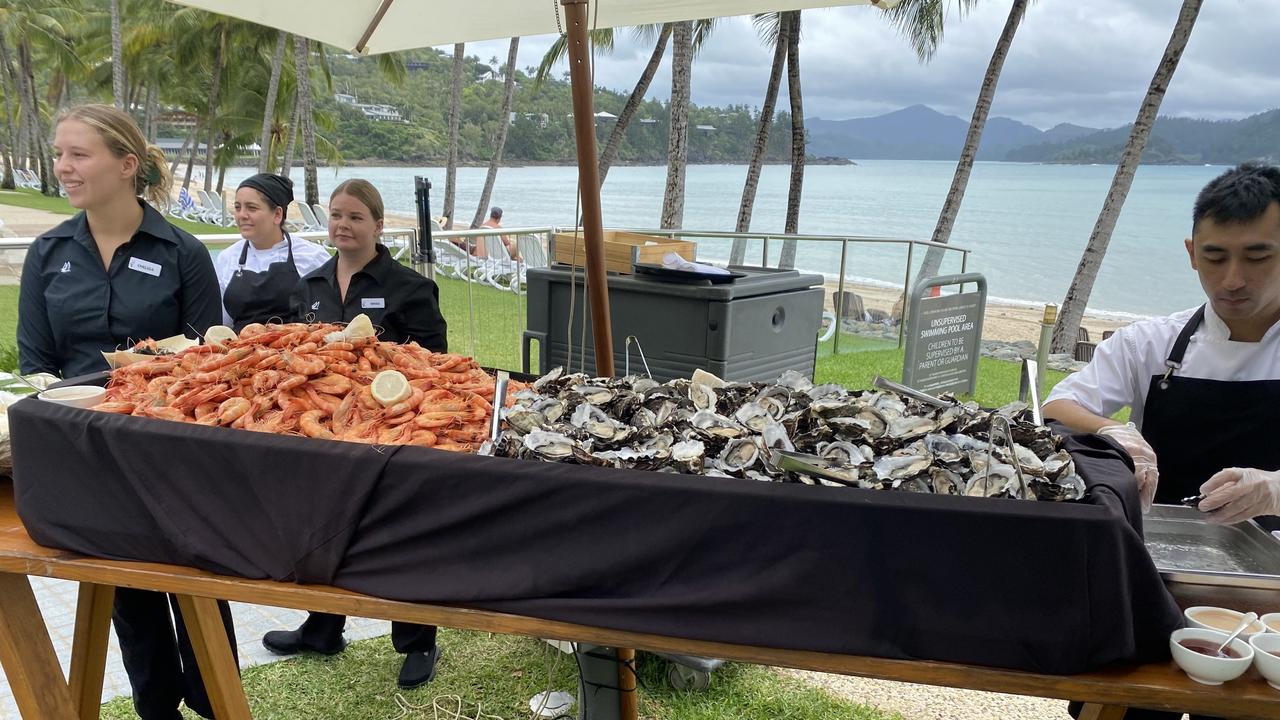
pixel 258 273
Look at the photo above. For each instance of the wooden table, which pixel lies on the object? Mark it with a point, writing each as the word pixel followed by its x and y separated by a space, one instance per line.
pixel 27 655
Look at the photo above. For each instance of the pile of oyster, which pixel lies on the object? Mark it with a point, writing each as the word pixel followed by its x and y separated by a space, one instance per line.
pixel 787 431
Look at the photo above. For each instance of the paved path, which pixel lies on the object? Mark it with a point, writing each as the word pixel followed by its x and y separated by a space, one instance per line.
pixel 57 599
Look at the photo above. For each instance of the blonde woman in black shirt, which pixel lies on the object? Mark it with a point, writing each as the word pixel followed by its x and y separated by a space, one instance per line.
pixel 118 271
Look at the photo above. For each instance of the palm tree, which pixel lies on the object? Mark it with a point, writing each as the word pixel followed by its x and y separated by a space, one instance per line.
pixel 30 25
pixel 117 56
pixel 1073 305
pixel 788 257
pixel 922 23
pixel 628 113
pixel 773 30
pixel 455 114
pixel 269 105
pixel 306 117
pixel 500 135
pixel 220 29
pixel 678 139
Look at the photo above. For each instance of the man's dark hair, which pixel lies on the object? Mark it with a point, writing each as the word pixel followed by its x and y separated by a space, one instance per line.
pixel 1239 195
pixel 495 212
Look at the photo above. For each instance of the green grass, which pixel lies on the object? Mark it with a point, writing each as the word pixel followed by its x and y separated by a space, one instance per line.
pixel 34 200
pixel 501 673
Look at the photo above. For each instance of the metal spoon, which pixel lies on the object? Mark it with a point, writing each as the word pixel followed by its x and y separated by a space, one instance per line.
pixel 1245 622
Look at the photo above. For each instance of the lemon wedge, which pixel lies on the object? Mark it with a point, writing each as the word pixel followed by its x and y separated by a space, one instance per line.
pixel 220 334
pixel 390 387
pixel 359 327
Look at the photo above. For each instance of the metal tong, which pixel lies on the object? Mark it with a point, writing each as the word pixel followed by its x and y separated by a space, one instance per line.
pixel 1007 431
pixel 626 371
pixel 910 392
pixel 499 402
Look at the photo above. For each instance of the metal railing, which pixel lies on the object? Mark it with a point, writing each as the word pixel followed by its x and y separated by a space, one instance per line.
pixel 844 240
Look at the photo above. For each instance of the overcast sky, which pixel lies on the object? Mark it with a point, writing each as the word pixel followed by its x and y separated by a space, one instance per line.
pixel 1082 61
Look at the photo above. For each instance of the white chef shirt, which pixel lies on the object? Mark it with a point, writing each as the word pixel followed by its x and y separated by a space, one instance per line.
pixel 1123 364
pixel 307 256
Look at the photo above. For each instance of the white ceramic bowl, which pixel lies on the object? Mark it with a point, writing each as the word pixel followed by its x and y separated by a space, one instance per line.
pixel 1207 617
pixel 81 396
pixel 1266 657
pixel 1209 670
pixel 1272 621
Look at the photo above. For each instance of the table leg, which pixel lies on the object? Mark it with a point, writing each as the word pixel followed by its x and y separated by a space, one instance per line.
pixel 213 654
pixel 26 652
pixel 1095 711
pixel 89 649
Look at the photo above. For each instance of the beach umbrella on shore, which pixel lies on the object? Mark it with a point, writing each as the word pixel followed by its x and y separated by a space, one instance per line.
pixel 379 26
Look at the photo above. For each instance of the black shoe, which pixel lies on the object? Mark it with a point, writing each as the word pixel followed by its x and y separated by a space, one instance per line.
pixel 418 669
pixel 290 642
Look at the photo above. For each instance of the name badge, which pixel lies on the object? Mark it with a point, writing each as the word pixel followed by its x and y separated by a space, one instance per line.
pixel 376 303
pixel 143 266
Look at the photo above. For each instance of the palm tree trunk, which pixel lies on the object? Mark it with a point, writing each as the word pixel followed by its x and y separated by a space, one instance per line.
pixel 737 254
pixel 214 88
pixel 306 116
pixel 177 158
pixel 269 107
pixel 678 137
pixel 11 121
pixel 788 257
pixel 455 114
pixel 500 138
pixel 1077 298
pixel 191 157
pixel 951 206
pixel 286 161
pixel 633 103
pixel 48 185
pixel 153 108
pixel 117 57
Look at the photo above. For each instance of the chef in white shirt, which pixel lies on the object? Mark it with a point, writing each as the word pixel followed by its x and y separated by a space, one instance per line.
pixel 1203 384
pixel 259 272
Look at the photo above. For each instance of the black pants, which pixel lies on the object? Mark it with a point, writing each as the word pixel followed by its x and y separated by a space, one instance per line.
pixel 159 661
pixel 1140 714
pixel 325 630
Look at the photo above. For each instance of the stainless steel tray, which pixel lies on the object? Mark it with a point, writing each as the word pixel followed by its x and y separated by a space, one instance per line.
pixel 1188 550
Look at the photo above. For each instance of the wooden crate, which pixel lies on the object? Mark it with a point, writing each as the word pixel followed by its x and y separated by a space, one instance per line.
pixel 621 250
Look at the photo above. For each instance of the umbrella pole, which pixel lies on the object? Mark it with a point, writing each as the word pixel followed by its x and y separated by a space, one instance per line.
pixel 584 127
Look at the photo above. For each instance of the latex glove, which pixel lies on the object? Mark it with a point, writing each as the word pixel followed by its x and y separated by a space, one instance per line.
pixel 1144 459
pixel 1237 494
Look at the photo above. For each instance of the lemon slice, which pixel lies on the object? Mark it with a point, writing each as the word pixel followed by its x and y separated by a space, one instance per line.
pixel 220 334
pixel 359 327
pixel 390 387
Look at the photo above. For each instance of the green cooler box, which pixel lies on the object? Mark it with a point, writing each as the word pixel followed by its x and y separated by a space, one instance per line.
pixel 754 328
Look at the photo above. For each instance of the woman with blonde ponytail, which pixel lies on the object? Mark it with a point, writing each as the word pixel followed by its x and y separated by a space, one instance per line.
pixel 118 272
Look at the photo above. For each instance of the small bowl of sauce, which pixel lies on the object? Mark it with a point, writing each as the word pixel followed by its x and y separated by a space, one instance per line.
pixel 1266 657
pixel 1271 621
pixel 1195 651
pixel 81 396
pixel 1223 620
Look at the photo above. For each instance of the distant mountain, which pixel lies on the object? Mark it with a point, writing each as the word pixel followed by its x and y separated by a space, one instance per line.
pixel 1173 141
pixel 922 133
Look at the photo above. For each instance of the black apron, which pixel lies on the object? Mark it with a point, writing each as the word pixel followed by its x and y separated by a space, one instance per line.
pixel 1198 427
pixel 260 296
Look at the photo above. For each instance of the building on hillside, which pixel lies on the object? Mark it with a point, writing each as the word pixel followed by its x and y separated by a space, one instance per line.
pixel 372 111
pixel 542 119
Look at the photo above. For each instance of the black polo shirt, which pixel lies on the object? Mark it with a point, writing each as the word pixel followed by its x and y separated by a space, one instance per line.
pixel 70 309
pixel 396 298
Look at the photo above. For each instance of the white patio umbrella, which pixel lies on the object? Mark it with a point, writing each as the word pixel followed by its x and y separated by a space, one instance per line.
pixel 378 26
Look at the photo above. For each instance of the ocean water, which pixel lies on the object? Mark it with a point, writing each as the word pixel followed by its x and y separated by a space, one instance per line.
pixel 1025 224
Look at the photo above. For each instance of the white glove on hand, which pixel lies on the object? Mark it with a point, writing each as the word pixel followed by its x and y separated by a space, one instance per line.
pixel 1144 459
pixel 1237 494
